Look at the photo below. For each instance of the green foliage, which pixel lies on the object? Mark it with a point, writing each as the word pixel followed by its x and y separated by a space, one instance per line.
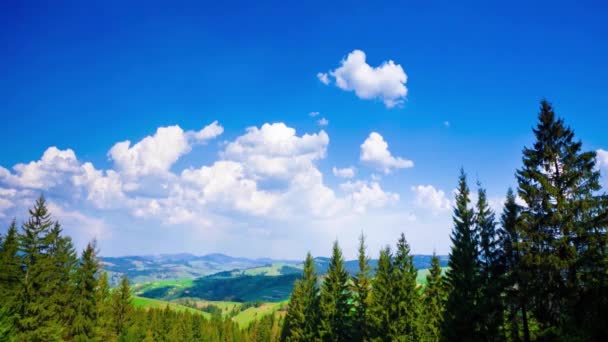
pixel 334 300
pixel 122 307
pixel 433 302
pixel 380 313
pixel 406 298
pixel 360 289
pixel 84 325
pixel 563 232
pixel 302 315
pixel 461 320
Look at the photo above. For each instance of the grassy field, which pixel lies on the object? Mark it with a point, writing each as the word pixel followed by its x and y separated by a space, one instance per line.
pixel 140 302
pixel 245 317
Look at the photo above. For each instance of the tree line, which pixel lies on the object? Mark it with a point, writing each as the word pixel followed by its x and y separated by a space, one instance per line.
pixel 48 293
pixel 539 272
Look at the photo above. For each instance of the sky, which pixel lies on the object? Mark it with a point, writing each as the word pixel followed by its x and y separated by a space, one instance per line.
pixel 269 129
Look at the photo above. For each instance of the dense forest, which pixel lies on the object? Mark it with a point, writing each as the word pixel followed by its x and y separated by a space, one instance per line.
pixel 536 271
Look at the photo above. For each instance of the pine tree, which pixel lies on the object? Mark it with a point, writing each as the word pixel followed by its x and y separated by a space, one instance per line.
pixel 122 307
pixel 103 302
pixel 334 300
pixel 461 319
pixel 515 304
pixel 381 312
pixel 490 271
pixel 10 277
pixel 36 310
pixel 405 326
pixel 434 301
pixel 361 291
pixel 302 315
pixel 84 325
pixel 564 241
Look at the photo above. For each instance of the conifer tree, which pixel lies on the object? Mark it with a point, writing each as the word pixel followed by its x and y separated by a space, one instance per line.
pixel 361 289
pixel 380 314
pixel 84 325
pixel 461 318
pixel 334 300
pixel 434 301
pixel 36 309
pixel 490 270
pixel 122 307
pixel 564 241
pixel 405 326
pixel 514 303
pixel 302 316
pixel 103 302
pixel 10 277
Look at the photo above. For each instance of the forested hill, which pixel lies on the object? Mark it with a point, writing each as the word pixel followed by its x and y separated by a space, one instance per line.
pixel 148 268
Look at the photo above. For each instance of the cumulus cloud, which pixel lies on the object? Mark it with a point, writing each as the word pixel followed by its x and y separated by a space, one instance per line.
pixel 208 132
pixel 428 197
pixel 323 122
pixel 364 195
pixel 348 172
pixel 374 151
pixel 385 82
pixel 313 114
pixel 602 158
pixel 323 77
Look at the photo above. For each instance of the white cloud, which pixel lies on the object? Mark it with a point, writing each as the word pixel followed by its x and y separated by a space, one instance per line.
pixel 428 197
pixel 602 158
pixel 323 122
pixel 366 195
pixel 374 151
pixel 313 114
pixel 154 155
pixel 44 173
pixel 274 150
pixel 323 77
pixel 208 132
pixel 385 82
pixel 348 172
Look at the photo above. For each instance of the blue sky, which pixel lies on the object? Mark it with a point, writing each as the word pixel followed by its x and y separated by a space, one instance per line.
pixel 85 77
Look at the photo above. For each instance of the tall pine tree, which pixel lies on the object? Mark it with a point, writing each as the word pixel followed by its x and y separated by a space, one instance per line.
pixel 461 319
pixel 433 302
pixel 10 277
pixel 381 312
pixel 490 271
pixel 84 326
pixel 361 289
pixel 564 241
pixel 334 300
pixel 405 326
pixel 122 307
pixel 302 315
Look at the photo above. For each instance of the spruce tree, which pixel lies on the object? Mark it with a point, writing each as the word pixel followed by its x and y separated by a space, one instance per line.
pixel 84 325
pixel 103 302
pixel 514 302
pixel 10 278
pixel 434 301
pixel 37 313
pixel 380 314
pixel 334 300
pixel 490 271
pixel 122 307
pixel 405 326
pixel 361 292
pixel 302 315
pixel 461 319
pixel 564 241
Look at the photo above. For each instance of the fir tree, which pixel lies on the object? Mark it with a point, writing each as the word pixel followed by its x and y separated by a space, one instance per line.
pixel 334 300
pixel 103 302
pixel 10 277
pixel 434 301
pixel 122 307
pixel 461 319
pixel 302 314
pixel 380 314
pixel 515 304
pixel 405 326
pixel 563 240
pixel 84 325
pixel 490 271
pixel 361 289
pixel 36 309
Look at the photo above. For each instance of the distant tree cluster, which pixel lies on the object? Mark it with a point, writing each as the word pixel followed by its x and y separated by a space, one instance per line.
pixel 540 272
pixel 47 294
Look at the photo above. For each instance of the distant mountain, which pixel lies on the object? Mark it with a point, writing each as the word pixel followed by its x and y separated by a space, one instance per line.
pixel 148 268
